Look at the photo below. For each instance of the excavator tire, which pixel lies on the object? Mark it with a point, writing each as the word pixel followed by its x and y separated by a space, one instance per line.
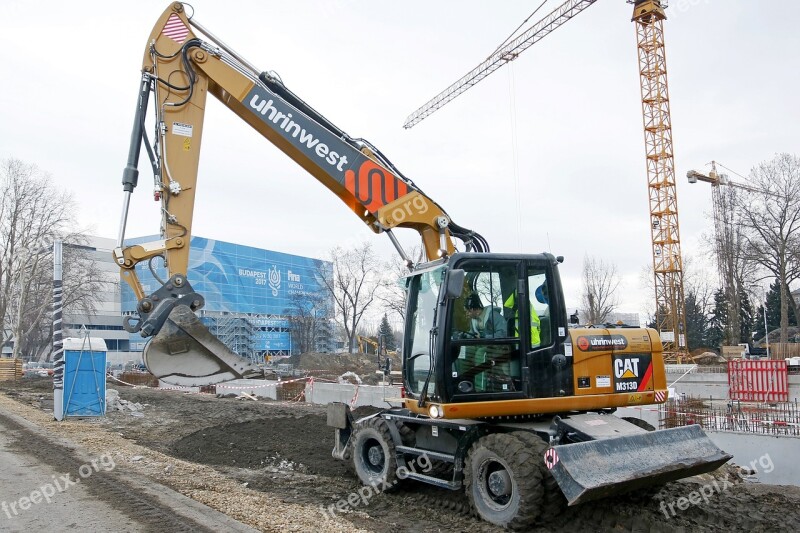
pixel 553 500
pixel 503 481
pixel 407 435
pixel 373 452
pixel 639 423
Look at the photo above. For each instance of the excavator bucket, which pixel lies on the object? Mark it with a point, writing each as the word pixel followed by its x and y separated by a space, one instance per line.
pixel 599 468
pixel 185 353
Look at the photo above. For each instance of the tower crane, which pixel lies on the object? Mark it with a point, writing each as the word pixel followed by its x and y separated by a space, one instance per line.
pixel 726 240
pixel 648 16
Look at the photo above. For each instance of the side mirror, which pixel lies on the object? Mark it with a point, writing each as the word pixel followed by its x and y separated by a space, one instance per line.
pixel 455 284
pixel 573 319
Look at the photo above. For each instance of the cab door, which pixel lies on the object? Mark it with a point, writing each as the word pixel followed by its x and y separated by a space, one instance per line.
pixel 482 355
pixel 548 367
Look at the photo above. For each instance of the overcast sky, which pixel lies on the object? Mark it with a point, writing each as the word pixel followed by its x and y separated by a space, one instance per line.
pixel 71 71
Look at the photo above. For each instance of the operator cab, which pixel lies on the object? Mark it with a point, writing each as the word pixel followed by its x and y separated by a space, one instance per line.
pixel 484 327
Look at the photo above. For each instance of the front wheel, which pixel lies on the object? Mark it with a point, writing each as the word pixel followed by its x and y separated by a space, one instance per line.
pixel 374 457
pixel 503 481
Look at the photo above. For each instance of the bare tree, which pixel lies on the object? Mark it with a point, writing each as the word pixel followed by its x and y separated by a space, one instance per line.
pixel 33 214
pixel 772 226
pixel 392 292
pixel 600 283
pixel 352 285
pixel 306 312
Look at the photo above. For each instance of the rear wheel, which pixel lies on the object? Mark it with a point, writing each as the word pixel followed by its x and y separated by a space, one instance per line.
pixel 503 481
pixel 374 458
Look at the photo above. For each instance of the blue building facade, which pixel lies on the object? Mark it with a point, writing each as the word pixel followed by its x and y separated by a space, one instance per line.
pixel 253 296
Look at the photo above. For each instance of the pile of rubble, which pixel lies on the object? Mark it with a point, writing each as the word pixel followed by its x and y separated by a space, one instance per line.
pixel 114 402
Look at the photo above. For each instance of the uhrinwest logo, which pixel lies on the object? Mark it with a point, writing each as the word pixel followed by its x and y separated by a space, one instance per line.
pixel 284 122
pixel 593 343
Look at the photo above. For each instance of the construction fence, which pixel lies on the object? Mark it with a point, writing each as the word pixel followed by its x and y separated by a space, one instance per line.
pixel 758 381
pixel 784 350
pixel 734 416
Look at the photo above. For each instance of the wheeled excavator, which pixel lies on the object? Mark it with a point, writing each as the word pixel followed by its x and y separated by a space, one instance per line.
pixel 512 406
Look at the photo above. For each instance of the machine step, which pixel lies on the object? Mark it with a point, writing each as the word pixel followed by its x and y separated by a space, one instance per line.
pixel 439 456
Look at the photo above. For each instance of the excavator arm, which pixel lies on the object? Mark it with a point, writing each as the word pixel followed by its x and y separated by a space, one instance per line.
pixel 183 63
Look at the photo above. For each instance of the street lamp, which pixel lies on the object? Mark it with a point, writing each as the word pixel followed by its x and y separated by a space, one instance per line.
pixel 766 327
pixel 763 295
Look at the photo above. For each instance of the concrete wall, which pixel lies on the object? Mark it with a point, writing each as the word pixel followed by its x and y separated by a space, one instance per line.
pixel 377 396
pixel 716 385
pixel 319 393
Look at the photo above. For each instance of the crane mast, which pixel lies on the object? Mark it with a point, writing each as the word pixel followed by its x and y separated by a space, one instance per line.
pixel 670 314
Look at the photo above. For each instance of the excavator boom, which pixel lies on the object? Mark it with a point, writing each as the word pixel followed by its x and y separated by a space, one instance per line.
pixel 183 62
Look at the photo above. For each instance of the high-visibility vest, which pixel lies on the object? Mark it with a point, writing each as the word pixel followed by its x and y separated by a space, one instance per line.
pixel 536 323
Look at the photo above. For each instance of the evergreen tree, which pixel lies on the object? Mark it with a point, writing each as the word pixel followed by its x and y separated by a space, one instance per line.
pixel 385 331
pixel 774 308
pixel 747 319
pixel 715 334
pixel 759 324
pixel 696 322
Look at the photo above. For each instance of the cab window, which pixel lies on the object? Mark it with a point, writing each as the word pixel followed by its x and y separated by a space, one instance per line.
pixel 539 305
pixel 484 343
pixel 422 299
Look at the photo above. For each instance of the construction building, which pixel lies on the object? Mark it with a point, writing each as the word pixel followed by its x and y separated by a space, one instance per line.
pixel 253 299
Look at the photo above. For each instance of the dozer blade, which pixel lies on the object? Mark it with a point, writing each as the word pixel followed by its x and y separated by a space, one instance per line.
pixel 185 353
pixel 596 469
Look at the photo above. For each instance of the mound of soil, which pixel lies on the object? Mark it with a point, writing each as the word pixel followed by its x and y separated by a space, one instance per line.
pixel 301 444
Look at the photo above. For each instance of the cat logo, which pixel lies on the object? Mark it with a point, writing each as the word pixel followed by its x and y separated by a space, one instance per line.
pixel 633 372
pixel 627 368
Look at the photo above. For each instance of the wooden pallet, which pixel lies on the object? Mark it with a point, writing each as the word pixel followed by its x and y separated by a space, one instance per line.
pixel 10 369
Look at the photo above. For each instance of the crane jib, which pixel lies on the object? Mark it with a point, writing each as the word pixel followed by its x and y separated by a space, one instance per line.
pixel 371 184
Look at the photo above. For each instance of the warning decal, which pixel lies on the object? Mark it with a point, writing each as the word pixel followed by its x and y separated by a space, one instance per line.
pixel 179 128
pixel 550 458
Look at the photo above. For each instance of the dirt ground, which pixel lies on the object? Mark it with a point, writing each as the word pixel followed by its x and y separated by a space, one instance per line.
pixel 331 366
pixel 283 451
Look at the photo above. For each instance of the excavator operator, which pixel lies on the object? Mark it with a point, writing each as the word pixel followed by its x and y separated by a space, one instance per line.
pixel 486 322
